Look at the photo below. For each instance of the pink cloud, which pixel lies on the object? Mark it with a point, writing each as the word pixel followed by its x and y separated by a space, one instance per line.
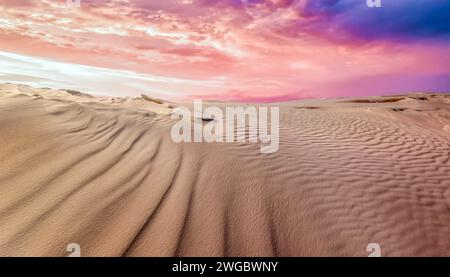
pixel 268 50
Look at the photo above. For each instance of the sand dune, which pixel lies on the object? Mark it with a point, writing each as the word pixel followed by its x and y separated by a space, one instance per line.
pixel 104 173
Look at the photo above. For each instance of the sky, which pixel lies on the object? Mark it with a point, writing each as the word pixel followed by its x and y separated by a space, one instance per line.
pixel 232 50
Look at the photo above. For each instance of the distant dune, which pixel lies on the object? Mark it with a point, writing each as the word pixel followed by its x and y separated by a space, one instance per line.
pixel 104 173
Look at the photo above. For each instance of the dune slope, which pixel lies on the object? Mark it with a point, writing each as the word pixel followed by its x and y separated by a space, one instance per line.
pixel 104 173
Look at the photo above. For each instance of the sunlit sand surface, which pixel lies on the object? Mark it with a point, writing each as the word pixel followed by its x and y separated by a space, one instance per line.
pixel 104 173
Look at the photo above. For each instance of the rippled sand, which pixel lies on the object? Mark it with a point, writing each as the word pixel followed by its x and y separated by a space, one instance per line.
pixel 104 173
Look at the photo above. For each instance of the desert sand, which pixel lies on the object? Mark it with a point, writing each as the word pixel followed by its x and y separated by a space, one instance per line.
pixel 104 172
